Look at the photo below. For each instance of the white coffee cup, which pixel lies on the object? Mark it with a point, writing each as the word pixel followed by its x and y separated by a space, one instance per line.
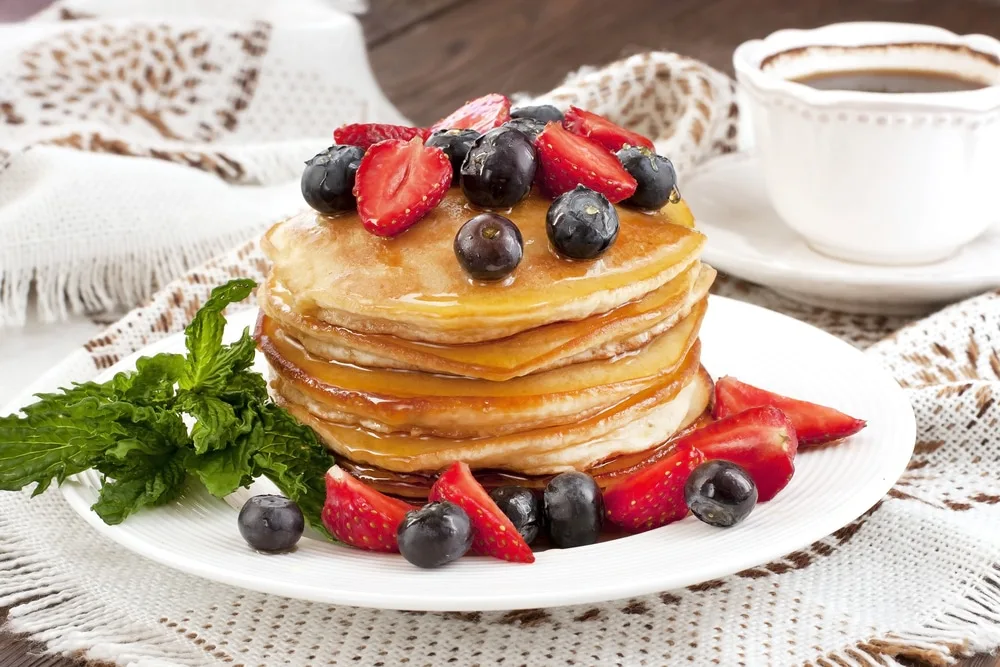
pixel 876 177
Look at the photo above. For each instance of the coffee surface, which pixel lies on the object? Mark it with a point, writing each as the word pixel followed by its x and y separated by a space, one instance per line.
pixel 890 81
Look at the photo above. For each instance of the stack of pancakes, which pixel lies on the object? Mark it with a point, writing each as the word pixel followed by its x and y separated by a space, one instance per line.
pixel 403 365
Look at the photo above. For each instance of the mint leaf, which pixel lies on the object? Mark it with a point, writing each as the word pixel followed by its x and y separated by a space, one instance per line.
pixel 153 380
pixel 43 447
pixel 58 404
pixel 244 388
pixel 147 482
pixel 132 428
pixel 209 363
pixel 222 471
pixel 217 424
pixel 296 461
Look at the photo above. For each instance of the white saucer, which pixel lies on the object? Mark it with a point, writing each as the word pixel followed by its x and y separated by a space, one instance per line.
pixel 747 239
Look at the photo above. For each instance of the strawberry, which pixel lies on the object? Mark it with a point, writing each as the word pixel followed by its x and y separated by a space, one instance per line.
pixel 481 114
pixel 761 440
pixel 653 496
pixel 367 134
pixel 814 424
pixel 492 532
pixel 603 131
pixel 567 160
pixel 359 515
pixel 398 182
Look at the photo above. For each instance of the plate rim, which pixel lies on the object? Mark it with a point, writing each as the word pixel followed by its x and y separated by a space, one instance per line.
pixel 852 275
pixel 75 494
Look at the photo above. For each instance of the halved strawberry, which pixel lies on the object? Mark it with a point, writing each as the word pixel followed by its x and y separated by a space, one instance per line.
pixel 367 134
pixel 653 496
pixel 602 130
pixel 762 440
pixel 398 182
pixel 814 424
pixel 566 160
pixel 359 515
pixel 481 114
pixel 492 532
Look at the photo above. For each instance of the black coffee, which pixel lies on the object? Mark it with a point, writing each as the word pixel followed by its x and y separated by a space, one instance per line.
pixel 890 81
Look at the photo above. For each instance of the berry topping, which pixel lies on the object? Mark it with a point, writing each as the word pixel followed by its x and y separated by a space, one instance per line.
pixel 435 534
pixel 481 114
pixel 398 183
pixel 328 179
pixel 365 135
pixel 603 131
pixel 499 169
pixel 489 247
pixel 359 515
pixel 545 113
pixel 654 175
pixel 529 127
pixel 522 507
pixel 456 145
pixel 574 509
pixel 720 493
pixel 567 160
pixel 761 440
pixel 581 224
pixel 814 424
pixel 492 532
pixel 653 496
pixel 271 523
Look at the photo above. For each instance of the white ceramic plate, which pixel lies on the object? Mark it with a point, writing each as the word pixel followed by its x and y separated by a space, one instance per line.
pixel 746 238
pixel 832 486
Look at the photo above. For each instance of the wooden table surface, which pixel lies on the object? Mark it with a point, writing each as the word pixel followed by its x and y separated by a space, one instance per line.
pixel 432 55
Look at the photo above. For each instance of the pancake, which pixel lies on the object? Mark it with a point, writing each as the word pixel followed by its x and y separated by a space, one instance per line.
pixel 415 486
pixel 412 287
pixel 387 400
pixel 621 330
pixel 634 425
pixel 402 364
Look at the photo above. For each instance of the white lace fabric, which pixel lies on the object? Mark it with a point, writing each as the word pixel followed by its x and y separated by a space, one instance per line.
pixel 917 577
pixel 138 139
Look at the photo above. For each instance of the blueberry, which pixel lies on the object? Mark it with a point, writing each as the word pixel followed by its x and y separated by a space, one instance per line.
pixel 522 507
pixel 271 523
pixel 435 534
pixel 581 224
pixel 499 168
pixel 456 145
pixel 328 179
pixel 545 113
pixel 574 509
pixel 529 127
pixel 654 174
pixel 720 493
pixel 489 247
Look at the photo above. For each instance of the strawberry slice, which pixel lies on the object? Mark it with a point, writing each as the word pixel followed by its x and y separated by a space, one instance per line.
pixel 398 182
pixel 359 515
pixel 762 440
pixel 481 114
pixel 603 131
pixel 492 532
pixel 654 496
pixel 567 160
pixel 366 135
pixel 814 424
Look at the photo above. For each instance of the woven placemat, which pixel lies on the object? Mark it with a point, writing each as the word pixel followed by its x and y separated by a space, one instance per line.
pixel 917 576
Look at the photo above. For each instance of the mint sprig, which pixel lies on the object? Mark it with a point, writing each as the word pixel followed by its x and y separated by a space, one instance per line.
pixel 132 428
